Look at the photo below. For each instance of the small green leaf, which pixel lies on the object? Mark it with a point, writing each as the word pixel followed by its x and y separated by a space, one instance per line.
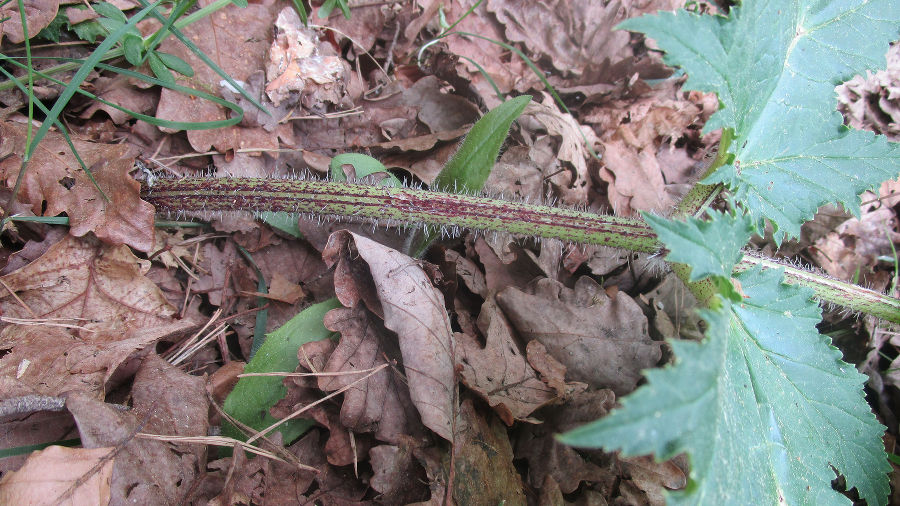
pixel 363 165
pixel 51 32
pixel 175 63
pixel 252 397
pixel 134 48
pixel 711 247
pixel 472 164
pixel 159 69
pixel 764 407
pixel 89 30
pixel 110 11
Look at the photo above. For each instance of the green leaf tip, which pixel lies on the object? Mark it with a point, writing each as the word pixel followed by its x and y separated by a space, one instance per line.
pixel 774 66
pixel 764 407
pixel 710 247
pixel 470 167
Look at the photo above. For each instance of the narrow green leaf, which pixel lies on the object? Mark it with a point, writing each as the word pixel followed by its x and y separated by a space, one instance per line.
pixel 110 11
pixel 252 397
pixel 471 165
pixel 764 407
pixel 774 66
pixel 175 63
pixel 712 247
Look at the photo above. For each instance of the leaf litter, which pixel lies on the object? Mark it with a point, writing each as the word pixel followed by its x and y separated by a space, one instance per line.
pixel 487 348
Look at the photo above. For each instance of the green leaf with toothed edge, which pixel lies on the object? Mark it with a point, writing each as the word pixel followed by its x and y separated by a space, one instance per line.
pixel 712 247
pixel 764 407
pixel 774 66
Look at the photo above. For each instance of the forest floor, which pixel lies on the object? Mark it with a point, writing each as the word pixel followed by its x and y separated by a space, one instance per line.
pixel 124 340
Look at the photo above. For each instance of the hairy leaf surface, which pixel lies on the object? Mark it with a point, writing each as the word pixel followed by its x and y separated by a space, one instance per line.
pixel 774 66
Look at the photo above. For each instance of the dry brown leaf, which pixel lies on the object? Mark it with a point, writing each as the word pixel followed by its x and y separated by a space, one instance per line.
pixel 507 70
pixel 498 372
pixel 549 458
pixel 237 39
pixel 120 91
pixel 381 404
pixel 54 177
pixel 654 477
pixel 414 309
pixel 873 102
pixel 98 288
pixel 171 402
pixel 485 474
pixel 396 475
pixel 146 471
pixel 38 14
pixel 571 137
pixel 603 342
pixel 572 34
pixel 59 475
pixel 102 285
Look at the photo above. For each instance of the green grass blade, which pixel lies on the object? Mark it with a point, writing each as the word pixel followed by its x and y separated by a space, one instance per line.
pixel 70 90
pixel 208 61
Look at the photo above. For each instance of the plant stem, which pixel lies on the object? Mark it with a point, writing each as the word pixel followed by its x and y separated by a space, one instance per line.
pixel 405 206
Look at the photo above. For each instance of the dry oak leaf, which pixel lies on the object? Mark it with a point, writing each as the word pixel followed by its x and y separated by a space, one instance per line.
pixel 60 476
pixel 38 14
pixel 549 458
pixel 381 403
pixel 499 372
pixel 237 39
pixel 55 177
pixel 85 279
pixel 602 341
pixel 572 34
pixel 146 471
pixel 414 309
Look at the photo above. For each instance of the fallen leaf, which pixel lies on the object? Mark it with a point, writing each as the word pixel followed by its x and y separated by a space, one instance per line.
pixel 483 458
pixel 602 342
pixel 172 402
pixel 145 471
pixel 397 476
pixel 415 310
pixel 54 177
pixel 498 372
pixel 237 39
pixel 571 34
pixel 381 404
pixel 570 136
pixel 38 14
pixel 102 286
pixel 60 475
pixel 548 458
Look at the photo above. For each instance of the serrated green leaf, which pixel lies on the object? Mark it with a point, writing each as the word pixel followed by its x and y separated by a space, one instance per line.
pixel 251 398
pixel 774 66
pixel 764 407
pixel 89 30
pixel 711 247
